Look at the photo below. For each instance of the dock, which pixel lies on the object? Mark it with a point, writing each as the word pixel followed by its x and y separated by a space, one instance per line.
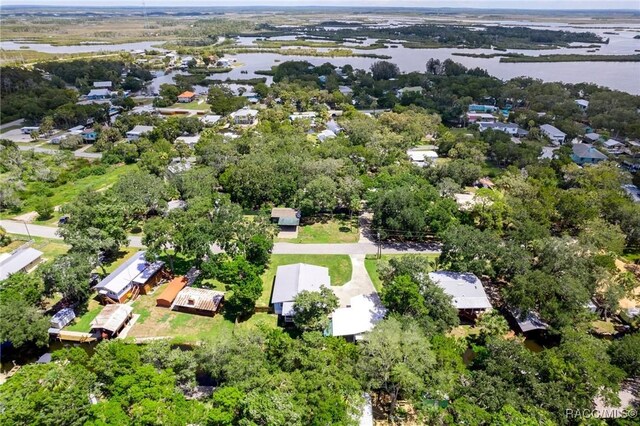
pixel 73 336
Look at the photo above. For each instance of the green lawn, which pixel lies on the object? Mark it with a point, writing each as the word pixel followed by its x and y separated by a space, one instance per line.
pixel 337 230
pixel 123 254
pixel 183 327
pixel 371 264
pixel 83 323
pixel 339 270
pixel 50 248
pixel 194 106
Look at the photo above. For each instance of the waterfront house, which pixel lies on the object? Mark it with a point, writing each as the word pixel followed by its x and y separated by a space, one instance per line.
pixel 466 291
pixel 186 97
pixel 133 277
pixel 290 280
pixel 556 135
pixel 111 320
pixel 586 154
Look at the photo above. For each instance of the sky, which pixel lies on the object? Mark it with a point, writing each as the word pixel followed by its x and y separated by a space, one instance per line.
pixel 491 4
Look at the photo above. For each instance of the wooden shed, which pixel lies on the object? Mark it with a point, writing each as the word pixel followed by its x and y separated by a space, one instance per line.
pixel 169 294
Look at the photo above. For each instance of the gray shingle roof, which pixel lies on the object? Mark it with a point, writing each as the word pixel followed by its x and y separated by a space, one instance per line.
pixel 292 279
pixel 584 150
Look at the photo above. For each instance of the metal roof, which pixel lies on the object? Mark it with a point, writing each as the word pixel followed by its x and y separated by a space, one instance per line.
pixel 18 260
pixel 292 279
pixel 465 289
pixel 364 312
pixel 133 270
pixel 202 299
pixel 112 317
pixel 138 130
pixel 288 221
pixel 552 130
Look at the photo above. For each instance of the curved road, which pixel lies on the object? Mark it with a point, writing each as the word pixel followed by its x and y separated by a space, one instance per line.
pixel 363 247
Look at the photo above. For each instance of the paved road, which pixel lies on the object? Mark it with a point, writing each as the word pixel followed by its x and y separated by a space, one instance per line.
pixel 18 122
pixel 78 153
pixel 16 227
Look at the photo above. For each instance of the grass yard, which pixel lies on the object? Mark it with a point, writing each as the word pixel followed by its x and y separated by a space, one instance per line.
pixel 83 323
pixel 182 327
pixel 193 106
pixel 123 254
pixel 336 230
pixel 50 248
pixel 70 190
pixel 339 270
pixel 371 264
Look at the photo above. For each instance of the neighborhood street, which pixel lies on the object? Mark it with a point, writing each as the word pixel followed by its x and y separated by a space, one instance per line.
pixel 360 248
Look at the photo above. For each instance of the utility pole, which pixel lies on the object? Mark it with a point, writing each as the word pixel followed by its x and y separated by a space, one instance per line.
pixel 27 228
pixel 379 254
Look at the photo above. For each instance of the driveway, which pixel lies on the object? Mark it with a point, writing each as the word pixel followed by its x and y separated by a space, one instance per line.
pixel 360 283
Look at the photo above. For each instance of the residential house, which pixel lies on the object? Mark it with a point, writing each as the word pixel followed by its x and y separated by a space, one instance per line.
pixel 245 116
pixel 476 117
pixel 586 154
pixel 414 89
pixel 98 94
pixel 22 259
pixel 210 119
pixel 360 316
pixel 466 291
pixel 483 108
pixel 190 141
pixel 186 97
pixel 179 165
pixel 62 318
pixel 290 280
pixel 134 276
pixel 138 131
pixel 556 135
pixel 200 301
pixel 333 126
pixel 591 137
pixel 286 218
pixel 345 90
pixel 582 104
pixel 308 115
pixel 421 157
pixel 111 320
pixel 103 85
pixel 632 191
pixel 613 146
pixel 326 134
pixel 509 128
pixel 89 135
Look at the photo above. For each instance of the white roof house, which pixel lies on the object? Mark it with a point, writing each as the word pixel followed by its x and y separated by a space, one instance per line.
pixel 465 289
pixel 363 313
pixel 307 115
pixel 582 103
pixel 422 157
pixel 244 116
pixel 210 119
pixel 556 135
pixel 136 270
pixel 293 279
pixel 102 84
pixel 326 134
pixel 98 94
pixel 138 131
pixel 189 140
pixel 18 261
